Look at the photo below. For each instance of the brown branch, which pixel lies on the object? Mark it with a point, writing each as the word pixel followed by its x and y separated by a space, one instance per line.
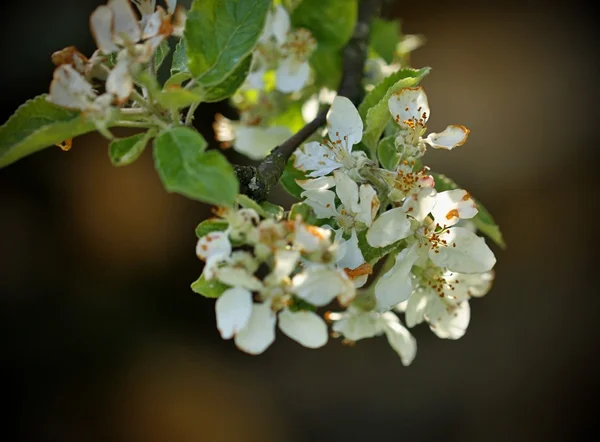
pixel 257 182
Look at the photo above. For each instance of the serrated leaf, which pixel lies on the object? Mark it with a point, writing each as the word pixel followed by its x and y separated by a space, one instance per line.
pixel 387 153
pixel 176 97
pixel 126 150
pixel 161 53
pixel 384 38
pixel 483 220
pixel 232 83
pixel 331 22
pixel 249 203
pixel 272 210
pixel 374 108
pixel 211 225
pixel 326 61
pixel 185 168
pixel 38 124
pixel 179 64
pixel 219 34
pixel 374 254
pixel 289 176
pixel 209 289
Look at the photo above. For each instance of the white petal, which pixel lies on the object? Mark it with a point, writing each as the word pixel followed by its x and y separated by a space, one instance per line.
pixel 233 309
pixel 368 206
pixel 316 157
pixel 291 76
pixel 310 238
pixel 256 79
pixel 125 23
pixel 119 82
pixel 344 125
pixel 417 305
pixel 321 183
pixel 400 338
pixel 257 142
pixel 390 227
pixel 151 24
pixel 470 255
pixel 238 277
pixel 322 202
pixel 462 286
pixel 70 89
pixel 319 286
pixel 346 189
pixel 146 7
pixel 451 137
pixel 310 108
pixel 285 262
pixel 349 255
pixel 259 333
pixel 409 106
pixel 214 244
pixel 171 5
pixel 101 26
pixel 448 321
pixel 280 24
pixel 452 206
pixel 395 286
pixel 306 328
pixel 355 324
pixel 419 205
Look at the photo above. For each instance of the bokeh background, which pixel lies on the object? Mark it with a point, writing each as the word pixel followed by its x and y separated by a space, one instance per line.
pixel 104 341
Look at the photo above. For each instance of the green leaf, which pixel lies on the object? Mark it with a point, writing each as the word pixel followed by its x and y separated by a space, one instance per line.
pixel 126 150
pixel 177 79
pixel 211 225
pixel 374 254
pixel 327 64
pixel 177 97
pixel 384 38
pixel 374 108
pixel 219 34
pixel 38 124
pixel 304 211
pixel 387 153
pixel 483 220
pixel 185 168
pixel 227 87
pixel 331 22
pixel 249 203
pixel 179 64
pixel 289 177
pixel 161 53
pixel 272 210
pixel 209 289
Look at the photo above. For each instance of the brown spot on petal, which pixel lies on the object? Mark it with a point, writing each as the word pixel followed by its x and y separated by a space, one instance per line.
pixel 452 214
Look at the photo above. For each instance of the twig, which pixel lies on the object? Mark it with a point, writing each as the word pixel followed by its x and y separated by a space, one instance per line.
pixel 257 182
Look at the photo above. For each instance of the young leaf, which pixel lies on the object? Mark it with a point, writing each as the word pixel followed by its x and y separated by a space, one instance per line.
pixel 289 177
pixel 211 225
pixel 272 210
pixel 331 22
pixel 304 211
pixel 161 53
pixel 176 97
pixel 185 168
pixel 180 61
pixel 229 85
pixel 219 34
pixel 209 289
pixel 483 220
pixel 38 124
pixel 387 153
pixel 374 108
pixel 374 254
pixel 126 150
pixel 384 38
pixel 249 203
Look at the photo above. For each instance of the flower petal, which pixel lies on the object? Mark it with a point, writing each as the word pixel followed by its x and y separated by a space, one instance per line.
pixel 322 202
pixel 465 252
pixel 344 124
pixel 448 321
pixel 399 338
pixel 306 328
pixel 259 333
pixel 233 309
pixel 213 244
pixel 395 286
pixel 70 89
pixel 356 324
pixel 349 254
pixel 451 137
pixel 310 238
pixel 409 106
pixel 126 27
pixel 316 157
pixel 285 262
pixel 452 206
pixel 416 306
pixel 120 82
pixel 291 76
pixel 346 189
pixel 257 142
pixel 238 277
pixel 419 205
pixel 368 206
pixel 321 183
pixel 390 227
pixel 101 26
pixel 280 24
pixel 319 286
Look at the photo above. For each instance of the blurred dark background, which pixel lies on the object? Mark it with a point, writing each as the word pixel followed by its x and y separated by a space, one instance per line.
pixel 104 341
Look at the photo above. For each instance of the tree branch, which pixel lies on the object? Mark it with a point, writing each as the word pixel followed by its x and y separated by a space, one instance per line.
pixel 257 182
